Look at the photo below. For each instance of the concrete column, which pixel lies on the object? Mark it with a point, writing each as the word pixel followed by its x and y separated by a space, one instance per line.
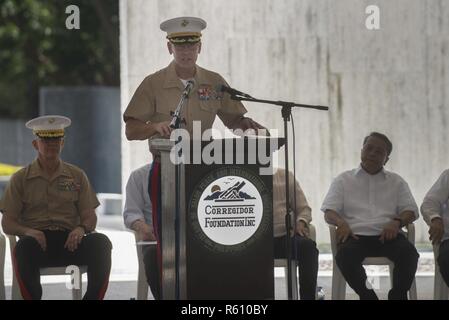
pixel 93 139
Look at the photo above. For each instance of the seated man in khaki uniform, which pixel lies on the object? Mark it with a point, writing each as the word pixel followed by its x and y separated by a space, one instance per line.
pixel 50 205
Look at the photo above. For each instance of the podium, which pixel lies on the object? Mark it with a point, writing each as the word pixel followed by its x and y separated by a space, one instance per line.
pixel 224 227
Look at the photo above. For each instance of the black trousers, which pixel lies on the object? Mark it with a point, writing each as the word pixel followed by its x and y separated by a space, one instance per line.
pixel 352 252
pixel 152 270
pixel 305 252
pixel 443 261
pixel 94 251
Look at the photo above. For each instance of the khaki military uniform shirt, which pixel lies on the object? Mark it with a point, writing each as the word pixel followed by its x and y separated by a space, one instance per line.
pixel 48 203
pixel 303 212
pixel 159 94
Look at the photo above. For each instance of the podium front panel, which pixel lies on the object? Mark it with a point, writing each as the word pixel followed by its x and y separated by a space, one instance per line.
pixel 229 232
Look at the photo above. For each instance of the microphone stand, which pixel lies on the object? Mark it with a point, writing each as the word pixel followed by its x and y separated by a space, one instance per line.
pixel 286 115
pixel 175 124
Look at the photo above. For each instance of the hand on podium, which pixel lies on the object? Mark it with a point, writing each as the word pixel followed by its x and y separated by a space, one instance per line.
pixel 163 128
pixel 249 124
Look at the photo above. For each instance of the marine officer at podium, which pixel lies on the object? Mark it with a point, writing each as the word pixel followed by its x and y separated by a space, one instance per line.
pixel 148 114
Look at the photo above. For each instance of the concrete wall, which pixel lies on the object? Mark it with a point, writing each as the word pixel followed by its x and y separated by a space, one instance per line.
pixel 394 80
pixel 15 143
pixel 93 139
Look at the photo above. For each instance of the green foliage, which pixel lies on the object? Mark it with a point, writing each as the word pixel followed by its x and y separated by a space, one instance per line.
pixel 36 49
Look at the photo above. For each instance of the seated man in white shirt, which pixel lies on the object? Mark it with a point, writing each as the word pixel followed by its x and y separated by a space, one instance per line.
pixel 435 212
pixel 369 205
pixel 138 217
pixel 303 248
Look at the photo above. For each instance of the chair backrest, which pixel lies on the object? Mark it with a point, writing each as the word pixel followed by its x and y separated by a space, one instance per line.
pixel 140 259
pixel 2 266
pixel 440 289
pixel 312 232
pixel 12 244
pixel 142 286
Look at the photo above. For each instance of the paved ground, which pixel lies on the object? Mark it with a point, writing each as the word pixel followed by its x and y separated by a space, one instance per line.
pixel 124 272
pixel 126 290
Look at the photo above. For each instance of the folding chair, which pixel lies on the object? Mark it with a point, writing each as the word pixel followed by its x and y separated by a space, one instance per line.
pixel 51 271
pixel 440 289
pixel 282 263
pixel 142 284
pixel 2 266
pixel 339 282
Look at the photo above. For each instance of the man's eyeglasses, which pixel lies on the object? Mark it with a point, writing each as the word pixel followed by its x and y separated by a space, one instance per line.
pixel 51 140
pixel 186 46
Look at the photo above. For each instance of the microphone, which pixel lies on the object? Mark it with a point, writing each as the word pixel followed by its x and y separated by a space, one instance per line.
pixel 231 91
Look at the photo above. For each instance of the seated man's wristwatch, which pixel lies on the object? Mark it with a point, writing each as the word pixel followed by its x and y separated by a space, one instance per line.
pixel 401 224
pixel 86 231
